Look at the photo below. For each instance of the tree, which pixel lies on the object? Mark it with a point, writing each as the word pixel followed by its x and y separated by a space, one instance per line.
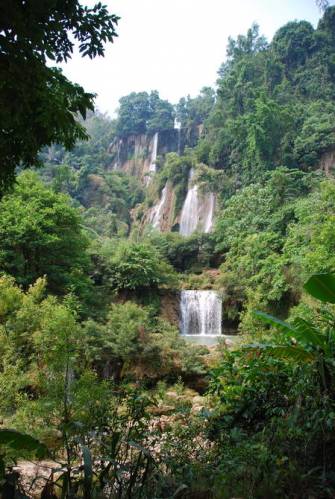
pixel 40 234
pixel 162 113
pixel 141 112
pixel 38 105
pixel 128 265
pixel 192 112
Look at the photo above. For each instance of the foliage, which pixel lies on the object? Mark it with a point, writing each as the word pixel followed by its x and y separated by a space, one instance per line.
pixel 252 231
pixel 32 34
pixel 191 112
pixel 105 197
pixel 133 345
pixel 128 265
pixel 41 235
pixel 274 102
pixel 275 408
pixel 141 113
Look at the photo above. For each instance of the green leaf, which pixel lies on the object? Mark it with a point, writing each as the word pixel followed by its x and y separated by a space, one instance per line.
pixel 289 352
pixel 321 287
pixel 20 441
pixel 308 334
pixel 273 321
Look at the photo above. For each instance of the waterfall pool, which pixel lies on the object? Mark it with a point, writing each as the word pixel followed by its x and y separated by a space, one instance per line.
pixel 208 340
pixel 201 315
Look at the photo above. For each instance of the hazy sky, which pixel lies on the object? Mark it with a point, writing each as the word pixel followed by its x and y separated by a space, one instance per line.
pixel 175 46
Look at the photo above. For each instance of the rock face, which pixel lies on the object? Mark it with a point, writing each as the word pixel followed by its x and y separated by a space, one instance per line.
pixel 161 215
pixel 140 155
pixel 170 308
pixel 134 154
pixel 137 154
pixel 327 163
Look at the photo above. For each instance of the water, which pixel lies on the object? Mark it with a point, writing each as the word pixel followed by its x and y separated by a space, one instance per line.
pixel 116 165
pixel 198 210
pixel 189 213
pixel 201 313
pixel 153 160
pixel 208 222
pixel 157 210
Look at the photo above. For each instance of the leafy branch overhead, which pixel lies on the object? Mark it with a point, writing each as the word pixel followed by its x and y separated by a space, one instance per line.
pixel 38 103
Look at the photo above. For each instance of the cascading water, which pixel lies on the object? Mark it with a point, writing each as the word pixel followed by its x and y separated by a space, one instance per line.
pixel 157 211
pixel 117 162
pixel 208 222
pixel 201 313
pixel 153 160
pixel 189 214
pixel 198 210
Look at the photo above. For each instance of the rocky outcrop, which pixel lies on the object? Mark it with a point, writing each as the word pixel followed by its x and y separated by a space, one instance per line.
pixel 134 154
pixel 161 215
pixel 327 163
pixel 170 308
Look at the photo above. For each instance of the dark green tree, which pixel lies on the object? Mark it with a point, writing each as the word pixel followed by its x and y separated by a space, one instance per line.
pixel 38 105
pixel 194 111
pixel 140 112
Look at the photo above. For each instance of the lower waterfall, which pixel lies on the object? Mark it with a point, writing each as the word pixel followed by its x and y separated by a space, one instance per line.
pixel 201 313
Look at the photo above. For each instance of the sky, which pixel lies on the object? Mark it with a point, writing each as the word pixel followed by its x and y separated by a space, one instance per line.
pixel 175 46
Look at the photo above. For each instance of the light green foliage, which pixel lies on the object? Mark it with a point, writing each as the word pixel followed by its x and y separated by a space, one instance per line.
pixel 274 102
pixel 125 322
pixel 128 265
pixel 37 334
pixel 317 134
pixel 252 230
pixel 132 344
pixel 40 234
pixel 310 243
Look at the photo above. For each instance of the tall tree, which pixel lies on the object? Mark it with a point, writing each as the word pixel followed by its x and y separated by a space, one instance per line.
pixel 40 234
pixel 38 105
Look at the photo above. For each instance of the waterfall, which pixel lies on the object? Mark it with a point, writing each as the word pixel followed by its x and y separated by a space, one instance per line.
pixel 201 313
pixel 189 214
pixel 153 160
pixel 117 162
pixel 208 222
pixel 157 211
pixel 198 210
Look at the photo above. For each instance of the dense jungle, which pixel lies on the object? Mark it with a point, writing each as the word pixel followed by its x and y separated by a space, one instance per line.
pixel 167 276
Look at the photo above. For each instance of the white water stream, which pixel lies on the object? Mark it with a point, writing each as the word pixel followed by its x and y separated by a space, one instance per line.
pixel 198 210
pixel 201 313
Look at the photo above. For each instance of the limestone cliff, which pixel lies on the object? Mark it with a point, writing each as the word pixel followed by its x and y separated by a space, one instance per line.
pixel 136 153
